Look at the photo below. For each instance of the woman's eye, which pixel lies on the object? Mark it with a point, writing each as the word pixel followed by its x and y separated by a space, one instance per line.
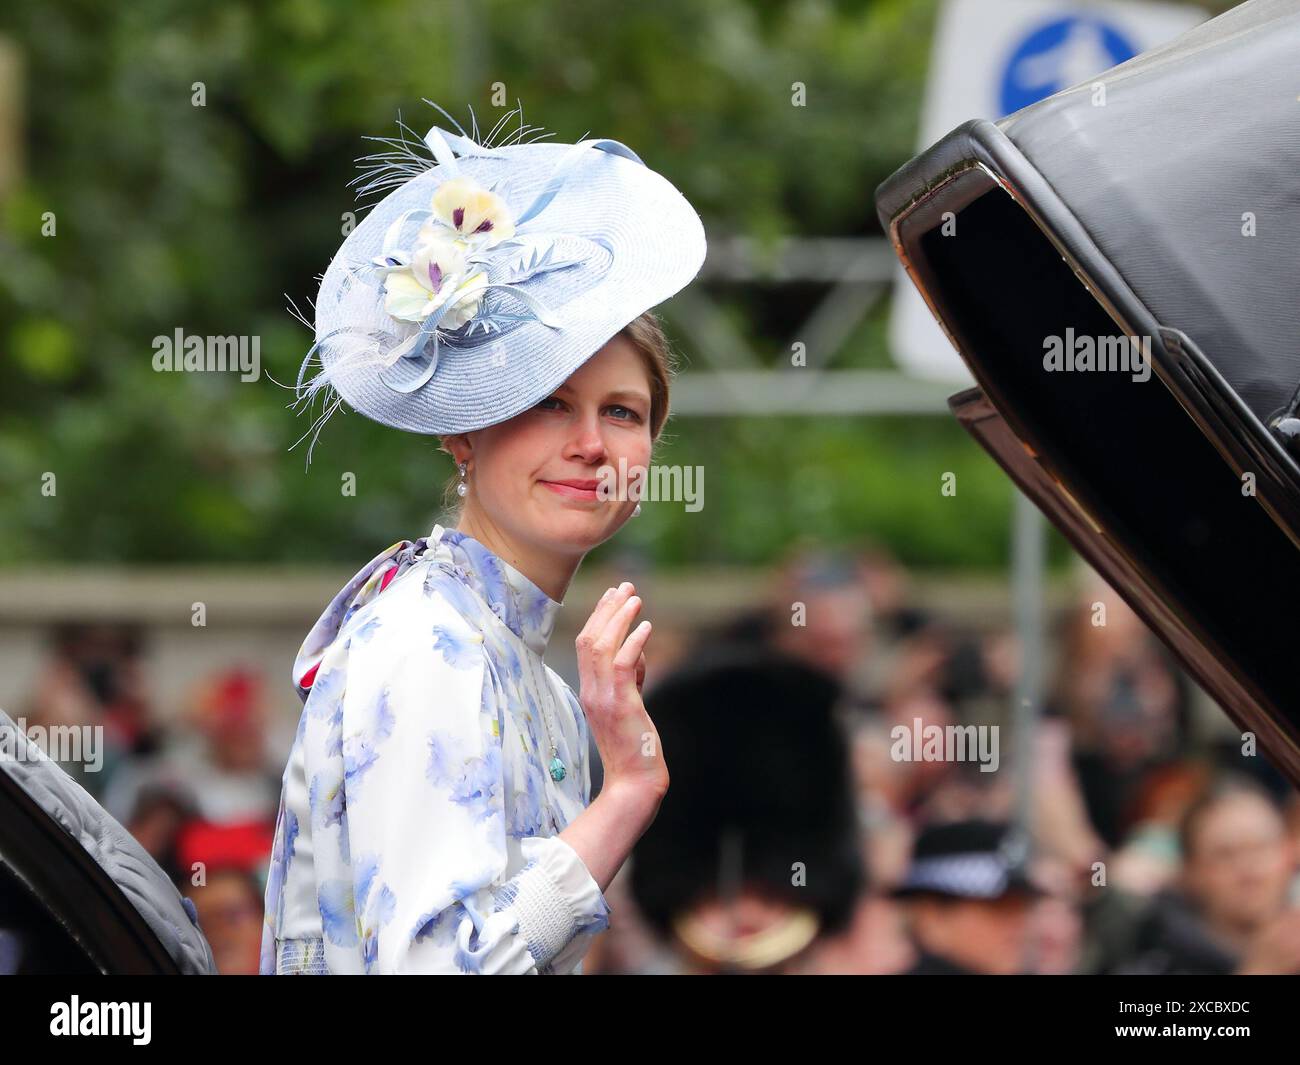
pixel 632 416
pixel 543 403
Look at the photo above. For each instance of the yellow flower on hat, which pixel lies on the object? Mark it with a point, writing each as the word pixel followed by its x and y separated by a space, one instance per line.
pixel 474 213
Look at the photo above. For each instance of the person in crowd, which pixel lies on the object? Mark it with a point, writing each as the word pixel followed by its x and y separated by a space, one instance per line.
pixel 221 873
pixel 754 863
pixel 92 685
pixel 162 809
pixel 1126 703
pixel 219 756
pixel 1231 909
pixel 970 900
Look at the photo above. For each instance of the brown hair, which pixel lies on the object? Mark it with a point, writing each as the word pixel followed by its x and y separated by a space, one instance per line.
pixel 646 334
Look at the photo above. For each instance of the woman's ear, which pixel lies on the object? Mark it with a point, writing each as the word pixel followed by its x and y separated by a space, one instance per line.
pixel 457 446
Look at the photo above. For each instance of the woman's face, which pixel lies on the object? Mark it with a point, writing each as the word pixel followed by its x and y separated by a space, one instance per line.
pixel 534 477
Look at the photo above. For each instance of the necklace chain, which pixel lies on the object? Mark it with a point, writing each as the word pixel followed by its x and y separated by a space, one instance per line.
pixel 556 767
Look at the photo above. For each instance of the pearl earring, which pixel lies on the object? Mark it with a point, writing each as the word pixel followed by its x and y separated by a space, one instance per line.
pixel 462 489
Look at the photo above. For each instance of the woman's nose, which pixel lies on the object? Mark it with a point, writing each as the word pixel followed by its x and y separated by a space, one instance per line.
pixel 588 443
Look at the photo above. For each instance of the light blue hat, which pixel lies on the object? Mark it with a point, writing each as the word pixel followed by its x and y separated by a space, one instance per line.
pixel 479 284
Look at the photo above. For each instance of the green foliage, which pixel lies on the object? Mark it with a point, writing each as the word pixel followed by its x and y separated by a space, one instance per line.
pixel 208 218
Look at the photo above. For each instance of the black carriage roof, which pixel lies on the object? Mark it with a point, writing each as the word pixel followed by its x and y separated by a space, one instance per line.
pixel 1159 200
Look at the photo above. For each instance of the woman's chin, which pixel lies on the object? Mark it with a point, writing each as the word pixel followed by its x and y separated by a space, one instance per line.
pixel 577 527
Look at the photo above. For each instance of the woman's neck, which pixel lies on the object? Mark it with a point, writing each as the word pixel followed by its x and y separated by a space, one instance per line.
pixel 551 572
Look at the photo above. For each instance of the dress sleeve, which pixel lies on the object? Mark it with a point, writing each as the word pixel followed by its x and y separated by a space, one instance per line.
pixel 425 792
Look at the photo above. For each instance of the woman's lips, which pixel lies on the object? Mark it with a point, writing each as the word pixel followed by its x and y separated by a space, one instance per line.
pixel 573 489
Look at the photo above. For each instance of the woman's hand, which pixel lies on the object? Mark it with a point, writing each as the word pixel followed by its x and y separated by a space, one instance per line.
pixel 611 668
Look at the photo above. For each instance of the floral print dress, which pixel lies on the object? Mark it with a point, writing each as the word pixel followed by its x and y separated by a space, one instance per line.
pixel 418 829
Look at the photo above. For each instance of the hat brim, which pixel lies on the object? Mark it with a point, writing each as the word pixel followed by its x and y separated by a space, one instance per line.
pixel 657 243
pixel 1017 884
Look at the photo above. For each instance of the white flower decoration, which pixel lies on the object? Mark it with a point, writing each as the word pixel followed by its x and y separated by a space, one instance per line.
pixel 437 273
pixel 466 219
pixel 472 212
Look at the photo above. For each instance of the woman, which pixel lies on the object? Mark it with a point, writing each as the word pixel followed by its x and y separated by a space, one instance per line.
pixel 436 814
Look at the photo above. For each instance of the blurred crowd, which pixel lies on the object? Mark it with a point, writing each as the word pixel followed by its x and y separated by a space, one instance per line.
pixel 798 835
pixel 200 794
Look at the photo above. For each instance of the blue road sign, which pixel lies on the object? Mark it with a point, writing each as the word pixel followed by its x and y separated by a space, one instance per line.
pixel 1059 54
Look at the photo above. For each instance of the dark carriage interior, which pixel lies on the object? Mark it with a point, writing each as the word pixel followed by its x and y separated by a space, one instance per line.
pixel 1125 449
pixel 32 943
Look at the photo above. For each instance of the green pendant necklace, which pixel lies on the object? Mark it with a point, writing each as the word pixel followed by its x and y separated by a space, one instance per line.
pixel 556 766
